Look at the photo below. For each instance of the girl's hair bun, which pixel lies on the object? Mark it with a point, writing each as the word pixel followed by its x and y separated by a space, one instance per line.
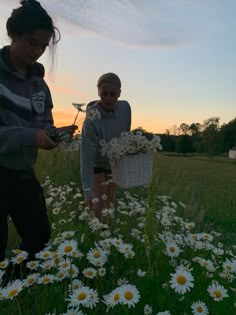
pixel 31 3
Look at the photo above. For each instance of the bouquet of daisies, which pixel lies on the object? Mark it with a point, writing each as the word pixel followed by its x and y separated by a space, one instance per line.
pixel 129 143
pixel 131 157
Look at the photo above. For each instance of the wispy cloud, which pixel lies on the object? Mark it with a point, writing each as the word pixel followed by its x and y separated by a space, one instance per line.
pixel 163 23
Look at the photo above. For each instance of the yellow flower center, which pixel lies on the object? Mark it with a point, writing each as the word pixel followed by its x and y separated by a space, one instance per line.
pixel 96 255
pixel 229 268
pixel 33 264
pixel 217 294
pixel 75 286
pixel 64 265
pixel 71 271
pixel 199 309
pixel 89 273
pixel 81 296
pixel 56 260
pixel 12 293
pixel 45 255
pixel 30 280
pixel 181 279
pixel 68 249
pixel 20 259
pixel 46 280
pixel 128 295
pixel 172 249
pixel 116 297
pixel 2 265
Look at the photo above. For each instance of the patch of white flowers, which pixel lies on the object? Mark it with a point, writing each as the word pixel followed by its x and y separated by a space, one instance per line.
pixel 129 143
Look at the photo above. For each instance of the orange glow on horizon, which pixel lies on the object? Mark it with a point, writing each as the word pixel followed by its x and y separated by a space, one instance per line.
pixel 65 118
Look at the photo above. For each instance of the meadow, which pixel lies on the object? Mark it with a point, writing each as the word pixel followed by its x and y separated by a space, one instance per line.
pixel 166 249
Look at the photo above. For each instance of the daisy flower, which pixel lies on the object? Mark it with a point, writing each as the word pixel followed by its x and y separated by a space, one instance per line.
pixel 19 257
pixel 80 296
pixel 47 265
pixel 32 265
pixel 93 299
pixel 73 311
pixel 4 263
pixel 64 264
pixel 129 295
pixel 45 279
pixel 67 248
pixel 181 281
pixel 76 284
pixel 93 114
pixel 113 298
pixel 61 275
pixel 101 272
pixel 199 308
pixel 97 257
pixel 217 292
pixel 164 313
pixel 31 279
pixel 73 271
pixel 68 234
pixel 44 254
pixel 141 273
pixel 147 310
pixel 62 221
pixel 90 273
pixel 172 249
pixel 12 289
pixel 129 254
pixel 228 266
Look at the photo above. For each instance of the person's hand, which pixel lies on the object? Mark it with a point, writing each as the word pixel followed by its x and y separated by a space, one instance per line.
pixel 68 129
pixel 66 132
pixel 43 141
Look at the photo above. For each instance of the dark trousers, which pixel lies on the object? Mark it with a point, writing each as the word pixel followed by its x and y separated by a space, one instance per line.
pixel 21 198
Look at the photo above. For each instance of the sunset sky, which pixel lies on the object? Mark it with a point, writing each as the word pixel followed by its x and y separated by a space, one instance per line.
pixel 176 58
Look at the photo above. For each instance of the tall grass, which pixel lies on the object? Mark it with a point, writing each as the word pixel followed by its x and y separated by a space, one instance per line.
pixel 146 224
pixel 206 185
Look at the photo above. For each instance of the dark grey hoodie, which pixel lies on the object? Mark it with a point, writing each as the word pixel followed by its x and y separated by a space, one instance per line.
pixel 105 127
pixel 25 107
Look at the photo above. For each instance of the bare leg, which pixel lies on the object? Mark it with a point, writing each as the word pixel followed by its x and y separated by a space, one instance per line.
pixel 104 194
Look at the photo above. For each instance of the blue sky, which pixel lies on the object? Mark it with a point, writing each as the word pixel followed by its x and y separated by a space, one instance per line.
pixel 176 58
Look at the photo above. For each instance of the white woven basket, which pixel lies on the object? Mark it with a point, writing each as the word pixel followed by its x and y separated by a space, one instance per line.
pixel 133 170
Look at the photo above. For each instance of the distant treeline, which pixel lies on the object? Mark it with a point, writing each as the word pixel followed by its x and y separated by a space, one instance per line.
pixel 208 138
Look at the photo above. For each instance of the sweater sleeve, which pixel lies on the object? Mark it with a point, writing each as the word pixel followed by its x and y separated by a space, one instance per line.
pixel 89 147
pixel 129 115
pixel 13 138
pixel 48 118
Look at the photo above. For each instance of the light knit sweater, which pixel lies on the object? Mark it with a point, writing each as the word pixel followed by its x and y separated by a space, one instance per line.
pixel 107 126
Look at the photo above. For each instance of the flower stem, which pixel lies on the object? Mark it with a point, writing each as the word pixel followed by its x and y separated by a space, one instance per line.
pixel 18 307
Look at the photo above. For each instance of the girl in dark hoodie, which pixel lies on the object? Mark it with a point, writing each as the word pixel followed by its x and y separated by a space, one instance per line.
pixel 26 125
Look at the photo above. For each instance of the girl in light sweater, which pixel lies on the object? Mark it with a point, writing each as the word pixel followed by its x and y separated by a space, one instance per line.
pixel 105 119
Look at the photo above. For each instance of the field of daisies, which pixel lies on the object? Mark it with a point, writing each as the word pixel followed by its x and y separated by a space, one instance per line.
pixel 144 259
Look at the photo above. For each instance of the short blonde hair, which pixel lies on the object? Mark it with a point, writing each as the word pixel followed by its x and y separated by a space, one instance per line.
pixel 109 78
